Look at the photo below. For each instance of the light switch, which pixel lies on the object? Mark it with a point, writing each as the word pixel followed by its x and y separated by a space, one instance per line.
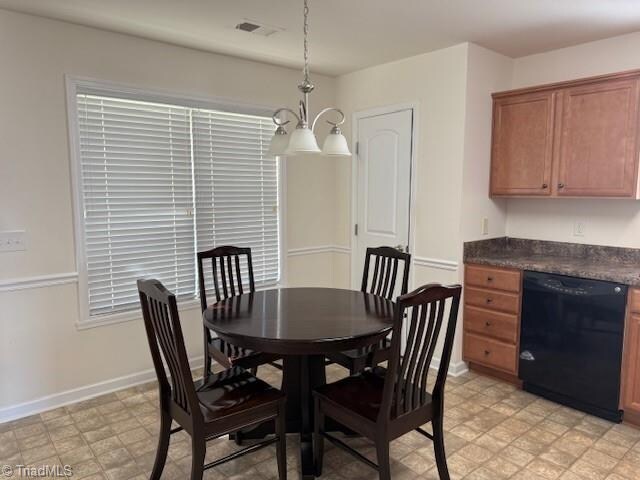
pixel 13 241
pixel 485 226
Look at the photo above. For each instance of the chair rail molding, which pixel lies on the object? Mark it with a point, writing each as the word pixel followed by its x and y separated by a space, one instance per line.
pixel 317 249
pixel 39 281
pixel 437 263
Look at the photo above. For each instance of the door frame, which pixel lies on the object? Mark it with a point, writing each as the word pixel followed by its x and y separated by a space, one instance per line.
pixel 356 117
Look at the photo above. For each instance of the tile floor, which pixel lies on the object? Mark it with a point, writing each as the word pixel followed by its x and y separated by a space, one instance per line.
pixel 493 432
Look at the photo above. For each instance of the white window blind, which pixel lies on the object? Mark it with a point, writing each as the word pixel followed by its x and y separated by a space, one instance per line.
pixel 161 182
pixel 237 187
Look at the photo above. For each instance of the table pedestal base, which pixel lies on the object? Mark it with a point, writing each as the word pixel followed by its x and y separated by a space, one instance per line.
pixel 301 374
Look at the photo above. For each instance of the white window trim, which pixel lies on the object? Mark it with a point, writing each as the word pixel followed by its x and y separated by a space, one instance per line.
pixel 76 84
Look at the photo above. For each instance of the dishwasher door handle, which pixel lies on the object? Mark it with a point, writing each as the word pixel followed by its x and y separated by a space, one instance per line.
pixel 527 355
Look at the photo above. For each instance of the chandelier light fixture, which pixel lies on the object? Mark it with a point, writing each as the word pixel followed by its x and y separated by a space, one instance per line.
pixel 303 139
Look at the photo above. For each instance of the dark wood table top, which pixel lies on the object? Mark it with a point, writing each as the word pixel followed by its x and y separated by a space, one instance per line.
pixel 301 321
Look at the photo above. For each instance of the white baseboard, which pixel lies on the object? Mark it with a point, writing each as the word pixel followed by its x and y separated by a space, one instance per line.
pixel 86 392
pixel 455 369
pixel 49 402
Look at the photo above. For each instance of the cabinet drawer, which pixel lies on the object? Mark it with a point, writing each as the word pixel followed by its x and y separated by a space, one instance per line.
pixel 491 277
pixel 503 326
pixel 491 353
pixel 635 301
pixel 493 300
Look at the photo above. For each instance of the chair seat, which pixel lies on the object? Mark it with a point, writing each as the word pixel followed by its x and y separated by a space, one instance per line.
pixel 361 393
pixel 378 352
pixel 234 391
pixel 383 344
pixel 238 356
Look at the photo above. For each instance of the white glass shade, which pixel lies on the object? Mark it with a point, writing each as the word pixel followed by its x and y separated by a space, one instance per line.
pixel 302 141
pixel 279 144
pixel 335 145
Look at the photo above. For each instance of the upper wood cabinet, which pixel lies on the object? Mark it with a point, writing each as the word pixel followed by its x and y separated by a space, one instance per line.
pixel 522 144
pixel 597 141
pixel 577 139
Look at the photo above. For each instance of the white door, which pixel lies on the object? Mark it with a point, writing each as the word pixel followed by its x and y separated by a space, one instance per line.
pixel 383 184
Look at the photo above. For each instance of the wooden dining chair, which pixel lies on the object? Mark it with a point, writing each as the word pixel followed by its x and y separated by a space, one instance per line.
pixel 225 403
pixel 380 277
pixel 226 272
pixel 384 404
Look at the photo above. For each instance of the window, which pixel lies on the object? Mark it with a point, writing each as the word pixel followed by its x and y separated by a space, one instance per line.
pixel 159 182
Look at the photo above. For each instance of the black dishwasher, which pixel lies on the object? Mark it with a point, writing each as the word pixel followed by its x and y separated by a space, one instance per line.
pixel 571 341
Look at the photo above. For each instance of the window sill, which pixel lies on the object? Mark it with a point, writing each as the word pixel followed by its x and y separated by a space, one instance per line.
pixel 116 318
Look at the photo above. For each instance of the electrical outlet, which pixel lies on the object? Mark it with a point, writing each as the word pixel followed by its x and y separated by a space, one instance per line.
pixel 485 226
pixel 579 229
pixel 13 241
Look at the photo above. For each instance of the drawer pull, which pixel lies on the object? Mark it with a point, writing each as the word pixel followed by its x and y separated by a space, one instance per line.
pixel 489 300
pixel 489 279
pixel 487 324
pixel 487 352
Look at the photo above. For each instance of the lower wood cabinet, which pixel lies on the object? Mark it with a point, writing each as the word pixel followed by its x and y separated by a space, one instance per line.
pixel 498 325
pixel 631 361
pixel 492 319
pixel 491 353
pixel 491 341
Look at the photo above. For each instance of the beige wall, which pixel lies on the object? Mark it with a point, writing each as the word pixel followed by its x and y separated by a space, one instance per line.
pixel 436 82
pixel 41 352
pixel 452 89
pixel 487 72
pixel 608 222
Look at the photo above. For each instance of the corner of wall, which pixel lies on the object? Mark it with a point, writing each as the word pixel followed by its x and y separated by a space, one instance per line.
pixel 487 72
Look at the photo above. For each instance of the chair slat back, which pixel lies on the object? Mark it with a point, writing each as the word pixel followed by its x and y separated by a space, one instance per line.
pixel 406 384
pixel 385 263
pixel 164 333
pixel 226 272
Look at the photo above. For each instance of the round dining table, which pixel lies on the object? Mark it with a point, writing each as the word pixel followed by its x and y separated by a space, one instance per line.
pixel 301 325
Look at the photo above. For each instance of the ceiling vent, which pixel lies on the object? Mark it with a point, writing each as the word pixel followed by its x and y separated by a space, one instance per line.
pixel 257 29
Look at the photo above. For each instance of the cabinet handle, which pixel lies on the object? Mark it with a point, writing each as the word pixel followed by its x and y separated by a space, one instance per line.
pixel 487 352
pixel 488 324
pixel 545 186
pixel 489 300
pixel 561 185
pixel 489 279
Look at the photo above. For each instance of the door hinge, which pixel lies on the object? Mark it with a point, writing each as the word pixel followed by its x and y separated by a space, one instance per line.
pixel 355 229
pixel 357 148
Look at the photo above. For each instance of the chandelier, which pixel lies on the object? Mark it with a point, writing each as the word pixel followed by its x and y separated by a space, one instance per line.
pixel 303 139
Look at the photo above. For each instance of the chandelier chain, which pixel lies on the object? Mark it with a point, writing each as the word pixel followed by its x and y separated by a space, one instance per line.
pixel 306 45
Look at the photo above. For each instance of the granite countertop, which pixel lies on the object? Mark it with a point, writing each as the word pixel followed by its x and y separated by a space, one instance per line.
pixel 621 265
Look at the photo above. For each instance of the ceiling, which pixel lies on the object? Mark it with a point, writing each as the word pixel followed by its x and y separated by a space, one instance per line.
pixel 347 35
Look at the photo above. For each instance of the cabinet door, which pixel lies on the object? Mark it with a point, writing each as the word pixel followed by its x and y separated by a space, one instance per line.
pixel 631 373
pixel 522 144
pixel 597 134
